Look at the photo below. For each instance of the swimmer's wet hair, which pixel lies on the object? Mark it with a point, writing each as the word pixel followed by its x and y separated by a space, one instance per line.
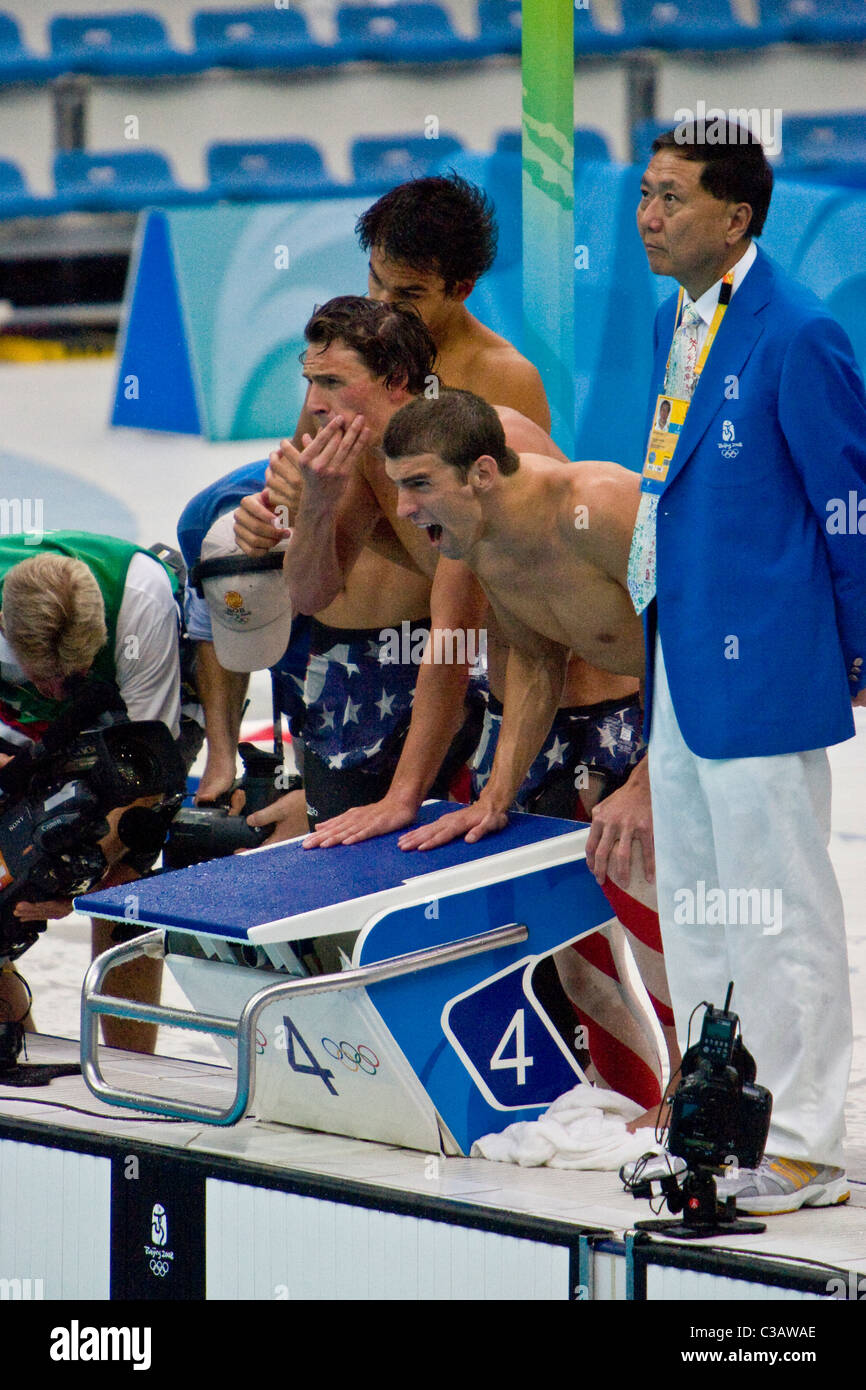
pixel 442 225
pixel 393 343
pixel 458 427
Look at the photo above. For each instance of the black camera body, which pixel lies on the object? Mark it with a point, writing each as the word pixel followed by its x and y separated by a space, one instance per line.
pixel 198 833
pixel 719 1114
pixel 54 799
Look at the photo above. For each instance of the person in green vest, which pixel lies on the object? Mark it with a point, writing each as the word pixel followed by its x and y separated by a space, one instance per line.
pixel 76 607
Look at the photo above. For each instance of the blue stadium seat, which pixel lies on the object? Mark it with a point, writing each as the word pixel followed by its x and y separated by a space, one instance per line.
pixel 401 33
pixel 825 148
pixel 268 169
pixel 117 180
pixel 813 21
pixel 383 161
pixel 257 38
pixel 589 39
pixel 132 44
pixel 499 25
pixel 17 63
pixel 687 24
pixel 588 143
pixel 16 200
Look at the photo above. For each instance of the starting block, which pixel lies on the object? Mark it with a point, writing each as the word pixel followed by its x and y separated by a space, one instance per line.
pixel 429 1037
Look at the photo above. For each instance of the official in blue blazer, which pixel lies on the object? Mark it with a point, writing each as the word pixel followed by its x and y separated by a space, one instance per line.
pixel 755 620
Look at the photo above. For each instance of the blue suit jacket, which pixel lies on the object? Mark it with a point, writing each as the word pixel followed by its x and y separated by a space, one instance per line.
pixel 761 604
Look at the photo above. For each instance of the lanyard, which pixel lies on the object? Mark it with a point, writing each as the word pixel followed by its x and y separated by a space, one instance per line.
pixel 724 300
pixel 663 438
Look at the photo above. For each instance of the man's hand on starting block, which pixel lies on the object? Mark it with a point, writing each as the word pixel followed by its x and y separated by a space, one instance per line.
pixel 472 822
pixel 363 823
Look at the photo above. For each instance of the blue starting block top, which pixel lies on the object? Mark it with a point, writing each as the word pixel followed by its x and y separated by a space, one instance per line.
pixel 230 897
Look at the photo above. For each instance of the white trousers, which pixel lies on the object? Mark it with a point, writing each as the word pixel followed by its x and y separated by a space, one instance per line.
pixel 740 825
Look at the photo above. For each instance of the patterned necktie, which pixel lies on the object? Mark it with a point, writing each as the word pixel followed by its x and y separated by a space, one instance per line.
pixel 679 382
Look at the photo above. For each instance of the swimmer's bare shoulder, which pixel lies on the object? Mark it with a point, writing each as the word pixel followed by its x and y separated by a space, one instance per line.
pixel 492 368
pixel 598 518
pixel 525 436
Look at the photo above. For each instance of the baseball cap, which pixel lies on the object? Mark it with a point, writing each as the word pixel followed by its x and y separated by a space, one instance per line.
pixel 248 599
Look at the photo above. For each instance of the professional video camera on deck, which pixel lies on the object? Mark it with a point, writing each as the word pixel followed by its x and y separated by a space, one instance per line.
pixel 55 795
pixel 209 832
pixel 719 1118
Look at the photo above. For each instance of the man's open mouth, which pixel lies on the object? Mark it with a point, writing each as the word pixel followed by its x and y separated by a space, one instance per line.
pixel 434 532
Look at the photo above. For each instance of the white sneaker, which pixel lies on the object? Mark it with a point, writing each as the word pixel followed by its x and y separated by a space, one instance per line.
pixel 784 1184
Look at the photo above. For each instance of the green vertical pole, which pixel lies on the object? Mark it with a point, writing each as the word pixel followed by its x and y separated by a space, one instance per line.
pixel 548 204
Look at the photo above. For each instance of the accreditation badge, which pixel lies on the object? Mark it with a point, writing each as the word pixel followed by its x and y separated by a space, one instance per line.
pixel 668 419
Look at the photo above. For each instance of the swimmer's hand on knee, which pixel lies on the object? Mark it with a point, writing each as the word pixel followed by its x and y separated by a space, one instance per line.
pixel 363 823
pixel 473 823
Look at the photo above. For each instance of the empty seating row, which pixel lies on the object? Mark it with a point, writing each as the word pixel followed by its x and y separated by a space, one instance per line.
pixel 823 148
pixel 136 43
pixel 271 169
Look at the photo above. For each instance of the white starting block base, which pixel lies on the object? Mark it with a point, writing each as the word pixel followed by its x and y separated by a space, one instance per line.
pixel 267 1212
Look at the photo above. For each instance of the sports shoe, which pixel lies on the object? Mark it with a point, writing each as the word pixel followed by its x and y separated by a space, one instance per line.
pixel 784 1184
pixel 651 1168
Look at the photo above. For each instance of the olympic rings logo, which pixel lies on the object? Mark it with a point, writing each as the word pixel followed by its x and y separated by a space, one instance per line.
pixel 728 453
pixel 360 1058
pixel 159 1267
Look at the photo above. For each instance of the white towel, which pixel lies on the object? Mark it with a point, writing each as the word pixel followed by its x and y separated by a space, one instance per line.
pixel 585 1128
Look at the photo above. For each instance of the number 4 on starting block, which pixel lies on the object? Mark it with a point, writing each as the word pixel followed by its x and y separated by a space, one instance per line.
pixel 507 1044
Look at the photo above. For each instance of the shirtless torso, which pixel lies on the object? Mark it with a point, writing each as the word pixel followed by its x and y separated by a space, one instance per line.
pixel 543 573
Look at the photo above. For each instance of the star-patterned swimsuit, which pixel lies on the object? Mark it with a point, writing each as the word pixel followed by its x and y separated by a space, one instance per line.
pixel 603 738
pixel 358 709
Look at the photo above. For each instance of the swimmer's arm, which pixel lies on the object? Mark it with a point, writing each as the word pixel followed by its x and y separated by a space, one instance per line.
pixel 534 681
pixel 336 515
pixel 384 541
pixel 264 518
pixel 457 602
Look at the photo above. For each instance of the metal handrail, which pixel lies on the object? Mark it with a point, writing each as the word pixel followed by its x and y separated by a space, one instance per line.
pixel 242 1029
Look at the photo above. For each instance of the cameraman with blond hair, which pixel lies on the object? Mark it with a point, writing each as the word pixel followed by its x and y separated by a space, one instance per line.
pixel 76 608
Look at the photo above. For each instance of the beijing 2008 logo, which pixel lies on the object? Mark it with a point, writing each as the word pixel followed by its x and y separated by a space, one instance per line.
pixel 160 1259
pixel 730 445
